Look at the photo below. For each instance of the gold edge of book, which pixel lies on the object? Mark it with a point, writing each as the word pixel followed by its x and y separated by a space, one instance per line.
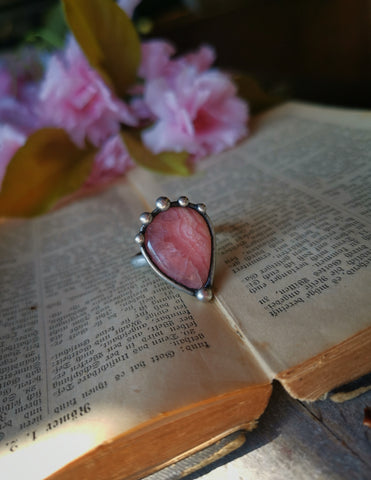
pixel 171 437
pixel 342 363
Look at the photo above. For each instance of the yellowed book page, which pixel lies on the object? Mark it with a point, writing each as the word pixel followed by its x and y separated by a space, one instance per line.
pixel 91 347
pixel 291 210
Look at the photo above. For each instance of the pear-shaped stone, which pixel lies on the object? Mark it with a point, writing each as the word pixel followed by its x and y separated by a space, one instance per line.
pixel 179 244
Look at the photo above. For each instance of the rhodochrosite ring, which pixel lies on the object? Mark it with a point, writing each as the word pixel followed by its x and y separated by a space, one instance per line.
pixel 177 240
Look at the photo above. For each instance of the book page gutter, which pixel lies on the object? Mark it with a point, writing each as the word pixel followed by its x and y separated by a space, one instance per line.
pixel 91 346
pixel 292 215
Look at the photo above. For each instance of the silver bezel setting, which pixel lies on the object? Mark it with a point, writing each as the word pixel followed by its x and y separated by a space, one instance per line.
pixel 162 204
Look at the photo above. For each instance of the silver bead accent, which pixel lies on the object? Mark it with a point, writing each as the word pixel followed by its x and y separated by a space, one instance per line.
pixel 145 218
pixel 163 203
pixel 139 239
pixel 183 201
pixel 201 207
pixel 204 294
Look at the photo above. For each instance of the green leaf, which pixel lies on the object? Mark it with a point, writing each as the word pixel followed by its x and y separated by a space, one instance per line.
pixel 48 167
pixel 53 33
pixel 108 39
pixel 166 162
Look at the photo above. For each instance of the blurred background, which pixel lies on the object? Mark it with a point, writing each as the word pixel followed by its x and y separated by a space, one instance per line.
pixel 312 50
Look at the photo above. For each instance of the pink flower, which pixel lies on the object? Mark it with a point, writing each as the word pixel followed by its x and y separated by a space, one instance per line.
pixel 196 112
pixel 18 90
pixel 74 97
pixel 10 140
pixel 141 111
pixel 18 72
pixel 157 60
pixel 20 113
pixel 201 60
pixel 5 82
pixel 112 161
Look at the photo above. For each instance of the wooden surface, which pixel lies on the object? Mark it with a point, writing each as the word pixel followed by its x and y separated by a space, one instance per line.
pixel 294 440
pixel 313 50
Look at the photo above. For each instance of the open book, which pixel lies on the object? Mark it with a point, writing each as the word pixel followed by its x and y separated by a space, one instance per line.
pixel 109 372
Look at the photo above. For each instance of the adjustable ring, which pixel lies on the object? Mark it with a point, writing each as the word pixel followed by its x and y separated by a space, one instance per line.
pixel 177 240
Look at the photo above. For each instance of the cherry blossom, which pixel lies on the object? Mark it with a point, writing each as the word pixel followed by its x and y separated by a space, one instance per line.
pixel 73 96
pixel 197 113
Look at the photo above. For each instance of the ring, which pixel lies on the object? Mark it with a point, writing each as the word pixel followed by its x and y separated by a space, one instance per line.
pixel 177 240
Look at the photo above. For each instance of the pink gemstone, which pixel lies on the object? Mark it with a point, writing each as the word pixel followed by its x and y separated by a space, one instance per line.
pixel 178 242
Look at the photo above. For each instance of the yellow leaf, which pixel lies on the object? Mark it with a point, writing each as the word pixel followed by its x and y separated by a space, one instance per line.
pixel 48 167
pixel 108 39
pixel 166 162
